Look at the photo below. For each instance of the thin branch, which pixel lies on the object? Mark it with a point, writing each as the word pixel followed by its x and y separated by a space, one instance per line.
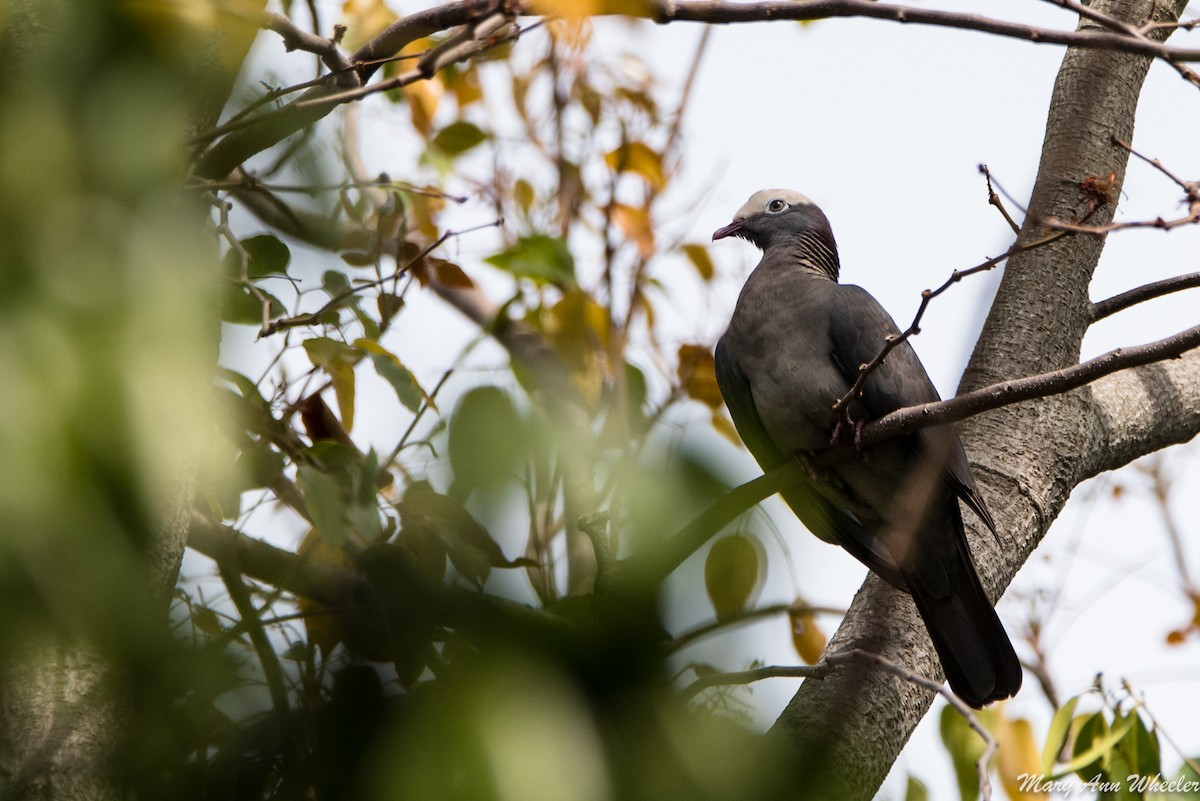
pixel 474 39
pixel 1157 289
pixel 1022 389
pixel 994 200
pixel 1190 188
pixel 252 621
pixel 311 318
pixel 294 38
pixel 753 675
pixel 749 616
pixel 714 11
pixel 277 567
pixel 1055 224
pixel 842 407
pixel 1099 17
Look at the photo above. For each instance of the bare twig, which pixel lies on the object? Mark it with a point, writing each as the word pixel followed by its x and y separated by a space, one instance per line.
pixel 1055 224
pixel 1117 303
pixel 753 675
pixel 842 407
pixel 296 39
pixel 994 200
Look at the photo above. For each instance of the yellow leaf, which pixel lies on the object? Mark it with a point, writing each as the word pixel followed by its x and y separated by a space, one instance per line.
pixel 733 574
pixel 635 223
pixel 325 628
pixel 423 98
pixel 698 255
pixel 424 210
pixel 578 327
pixel 807 636
pixel 524 194
pixel 637 157
pixel 1018 755
pixel 364 19
pixel 577 9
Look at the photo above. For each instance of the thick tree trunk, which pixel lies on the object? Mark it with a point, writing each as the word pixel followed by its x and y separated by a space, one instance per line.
pixel 113 520
pixel 849 728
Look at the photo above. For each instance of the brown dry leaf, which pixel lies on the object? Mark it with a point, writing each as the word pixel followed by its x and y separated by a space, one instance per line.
pixel 724 427
pixel 450 274
pixel 636 225
pixel 698 376
pixel 698 255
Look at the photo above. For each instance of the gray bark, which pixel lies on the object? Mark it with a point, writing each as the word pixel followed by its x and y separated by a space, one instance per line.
pixel 61 714
pixel 849 728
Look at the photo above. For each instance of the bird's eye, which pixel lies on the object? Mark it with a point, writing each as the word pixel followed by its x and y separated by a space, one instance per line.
pixel 776 206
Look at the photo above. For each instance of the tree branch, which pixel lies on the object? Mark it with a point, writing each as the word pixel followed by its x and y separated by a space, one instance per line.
pixel 275 566
pixel 712 11
pixel 1022 389
pixel 1157 289
pixel 294 38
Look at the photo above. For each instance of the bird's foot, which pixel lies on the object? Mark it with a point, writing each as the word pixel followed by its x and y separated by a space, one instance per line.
pixel 838 435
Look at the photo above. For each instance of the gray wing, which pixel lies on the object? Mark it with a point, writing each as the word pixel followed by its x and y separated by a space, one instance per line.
pixel 817 513
pixel 857 330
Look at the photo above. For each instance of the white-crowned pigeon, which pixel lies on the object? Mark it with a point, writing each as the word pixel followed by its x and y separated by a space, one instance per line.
pixel 793 348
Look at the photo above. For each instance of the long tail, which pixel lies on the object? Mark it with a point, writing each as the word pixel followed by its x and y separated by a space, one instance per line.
pixel 975 651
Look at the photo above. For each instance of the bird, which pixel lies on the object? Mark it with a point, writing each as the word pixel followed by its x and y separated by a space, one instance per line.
pixel 794 346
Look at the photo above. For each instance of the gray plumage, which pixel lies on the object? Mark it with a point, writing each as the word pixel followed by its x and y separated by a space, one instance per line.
pixel 794 346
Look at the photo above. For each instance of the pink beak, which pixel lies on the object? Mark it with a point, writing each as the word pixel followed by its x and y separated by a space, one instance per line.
pixel 730 229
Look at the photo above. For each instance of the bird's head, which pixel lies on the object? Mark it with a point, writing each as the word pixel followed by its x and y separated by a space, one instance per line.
pixel 783 217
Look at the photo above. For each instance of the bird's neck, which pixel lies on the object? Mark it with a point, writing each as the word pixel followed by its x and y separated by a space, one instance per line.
pixel 808 250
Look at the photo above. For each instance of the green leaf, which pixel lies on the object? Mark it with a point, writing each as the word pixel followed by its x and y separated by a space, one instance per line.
pixel 1141 749
pixel 487 440
pixel 545 259
pixel 336 284
pixel 266 256
pixel 471 549
pixel 965 747
pixel 916 790
pixel 241 307
pixel 325 504
pixel 458 137
pixel 1056 735
pixel 1094 741
pixel 408 391
pixel 733 574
